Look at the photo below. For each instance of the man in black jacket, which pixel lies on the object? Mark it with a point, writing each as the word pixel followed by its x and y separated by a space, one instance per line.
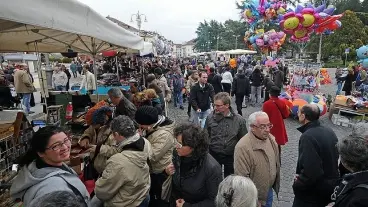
pixel 240 88
pixel 317 167
pixel 215 80
pixel 201 98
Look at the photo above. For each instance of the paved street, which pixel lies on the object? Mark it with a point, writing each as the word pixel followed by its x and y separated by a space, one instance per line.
pixel 289 151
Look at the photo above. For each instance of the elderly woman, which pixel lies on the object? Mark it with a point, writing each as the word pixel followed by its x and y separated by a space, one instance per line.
pixel 353 190
pixel 196 174
pixel 43 170
pixel 159 132
pixel 125 180
pixel 236 191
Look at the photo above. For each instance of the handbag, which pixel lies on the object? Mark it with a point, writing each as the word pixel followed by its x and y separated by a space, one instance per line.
pixel 166 189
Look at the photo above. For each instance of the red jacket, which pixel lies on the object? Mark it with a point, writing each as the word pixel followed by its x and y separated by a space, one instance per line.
pixel 274 113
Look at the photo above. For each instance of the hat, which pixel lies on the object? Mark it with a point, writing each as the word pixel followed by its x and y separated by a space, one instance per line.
pixel 275 91
pixel 99 116
pixel 146 115
pixel 158 71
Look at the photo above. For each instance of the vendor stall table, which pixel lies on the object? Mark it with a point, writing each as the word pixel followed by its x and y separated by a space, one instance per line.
pixel 348 110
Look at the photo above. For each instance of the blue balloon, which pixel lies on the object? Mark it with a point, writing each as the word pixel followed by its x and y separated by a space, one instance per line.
pixel 299 9
pixel 320 8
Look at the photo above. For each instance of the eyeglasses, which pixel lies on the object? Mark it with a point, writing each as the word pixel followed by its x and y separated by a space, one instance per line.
pixel 178 145
pixel 264 126
pixel 58 145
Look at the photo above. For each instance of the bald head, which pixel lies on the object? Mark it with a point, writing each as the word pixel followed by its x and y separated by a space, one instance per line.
pixel 311 112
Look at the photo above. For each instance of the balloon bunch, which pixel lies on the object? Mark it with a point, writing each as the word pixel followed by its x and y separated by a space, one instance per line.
pixel 272 10
pixel 265 41
pixel 362 54
pixel 250 13
pixel 305 20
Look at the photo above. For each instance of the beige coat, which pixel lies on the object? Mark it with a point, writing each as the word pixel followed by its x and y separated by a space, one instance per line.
pixel 162 141
pixel 107 150
pixel 247 164
pixel 96 138
pixel 126 180
pixel 190 83
pixel 23 82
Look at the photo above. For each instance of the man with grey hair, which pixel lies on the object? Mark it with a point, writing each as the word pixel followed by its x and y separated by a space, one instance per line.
pixel 122 104
pixel 257 157
pixel 236 191
pixel 225 128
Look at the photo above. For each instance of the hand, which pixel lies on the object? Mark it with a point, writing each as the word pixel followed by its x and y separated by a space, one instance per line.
pixel 170 169
pixel 180 202
pixel 198 110
pixel 91 149
pixel 84 143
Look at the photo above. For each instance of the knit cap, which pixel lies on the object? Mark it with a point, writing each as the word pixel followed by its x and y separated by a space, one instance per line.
pixel 146 115
pixel 99 116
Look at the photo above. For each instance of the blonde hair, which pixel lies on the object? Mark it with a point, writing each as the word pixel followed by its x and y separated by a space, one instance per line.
pixel 150 93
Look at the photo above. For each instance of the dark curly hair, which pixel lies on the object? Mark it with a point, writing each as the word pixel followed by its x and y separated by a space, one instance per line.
pixel 194 137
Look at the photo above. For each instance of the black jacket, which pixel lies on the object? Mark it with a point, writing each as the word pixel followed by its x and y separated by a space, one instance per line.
pixel 240 85
pixel 225 132
pixel 215 81
pixel 201 98
pixel 351 192
pixel 256 78
pixel 195 181
pixel 317 166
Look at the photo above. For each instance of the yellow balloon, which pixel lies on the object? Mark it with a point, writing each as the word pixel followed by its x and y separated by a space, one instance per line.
pixel 281 11
pixel 248 13
pixel 291 23
pixel 308 20
pixel 300 33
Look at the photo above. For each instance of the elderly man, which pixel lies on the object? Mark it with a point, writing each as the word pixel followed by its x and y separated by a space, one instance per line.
pixel 225 128
pixel 24 86
pixel 257 157
pixel 317 167
pixel 122 104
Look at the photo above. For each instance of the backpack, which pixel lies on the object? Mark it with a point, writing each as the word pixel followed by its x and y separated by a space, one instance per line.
pixel 178 83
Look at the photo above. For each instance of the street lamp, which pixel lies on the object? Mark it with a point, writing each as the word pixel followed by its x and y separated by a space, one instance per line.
pixel 217 42
pixel 138 19
pixel 236 41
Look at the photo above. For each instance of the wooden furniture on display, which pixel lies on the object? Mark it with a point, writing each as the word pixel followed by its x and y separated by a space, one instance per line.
pixel 54 115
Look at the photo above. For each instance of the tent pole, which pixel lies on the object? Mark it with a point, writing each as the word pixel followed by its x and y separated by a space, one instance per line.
pixel 94 65
pixel 117 67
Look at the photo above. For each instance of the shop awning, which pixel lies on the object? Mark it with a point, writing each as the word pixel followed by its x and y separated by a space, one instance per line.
pixel 59 25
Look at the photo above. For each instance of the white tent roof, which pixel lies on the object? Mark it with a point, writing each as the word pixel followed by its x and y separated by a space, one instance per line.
pixel 240 52
pixel 57 25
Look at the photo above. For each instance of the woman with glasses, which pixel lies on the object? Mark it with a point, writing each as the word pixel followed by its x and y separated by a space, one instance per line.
pixel 43 169
pixel 196 175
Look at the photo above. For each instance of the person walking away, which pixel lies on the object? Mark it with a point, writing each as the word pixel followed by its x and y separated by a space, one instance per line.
pixel 79 68
pixel 317 166
pixel 192 80
pixel 66 71
pixel 195 174
pixel 201 98
pixel 215 80
pixel 225 128
pixel 159 131
pixel 279 78
pixel 162 83
pixel 237 191
pixel 257 157
pixel 177 87
pixel 59 79
pixel 339 80
pixel 240 89
pixel 348 86
pixel 32 102
pixel 227 80
pixel 125 180
pixel 73 68
pixel 267 84
pixel 277 111
pixel 24 87
pixel 353 190
pixel 88 81
pixel 256 86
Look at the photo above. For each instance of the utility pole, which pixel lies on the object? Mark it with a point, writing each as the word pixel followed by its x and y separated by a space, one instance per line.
pixel 236 41
pixel 319 56
pixel 138 19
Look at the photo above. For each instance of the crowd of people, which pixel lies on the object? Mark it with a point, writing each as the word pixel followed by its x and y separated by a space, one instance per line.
pixel 143 157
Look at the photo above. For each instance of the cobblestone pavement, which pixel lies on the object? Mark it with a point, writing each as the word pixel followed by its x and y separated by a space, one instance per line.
pixel 289 153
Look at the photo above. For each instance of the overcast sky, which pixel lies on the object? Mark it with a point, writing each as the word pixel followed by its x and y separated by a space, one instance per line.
pixel 177 20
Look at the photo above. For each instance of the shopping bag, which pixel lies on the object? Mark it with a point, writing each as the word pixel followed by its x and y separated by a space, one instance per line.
pixel 166 189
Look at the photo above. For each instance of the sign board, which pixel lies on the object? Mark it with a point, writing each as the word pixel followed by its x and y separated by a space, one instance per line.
pixel 347 50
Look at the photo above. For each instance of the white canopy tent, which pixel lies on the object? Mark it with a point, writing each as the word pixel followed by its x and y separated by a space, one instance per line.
pixel 240 52
pixel 59 25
